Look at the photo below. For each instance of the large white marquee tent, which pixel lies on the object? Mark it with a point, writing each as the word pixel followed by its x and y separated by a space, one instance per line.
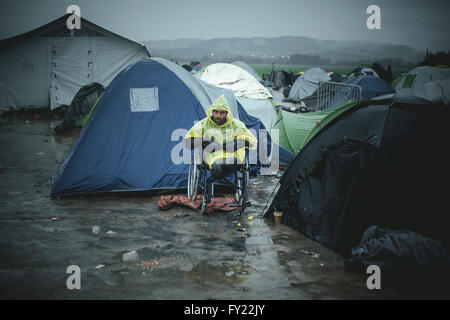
pixel 48 65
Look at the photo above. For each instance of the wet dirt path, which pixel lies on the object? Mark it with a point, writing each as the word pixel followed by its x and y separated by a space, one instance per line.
pixel 183 255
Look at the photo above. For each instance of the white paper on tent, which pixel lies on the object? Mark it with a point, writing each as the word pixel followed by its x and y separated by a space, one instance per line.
pixel 144 99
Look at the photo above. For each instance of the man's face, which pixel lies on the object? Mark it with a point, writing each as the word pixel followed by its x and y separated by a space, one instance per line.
pixel 219 116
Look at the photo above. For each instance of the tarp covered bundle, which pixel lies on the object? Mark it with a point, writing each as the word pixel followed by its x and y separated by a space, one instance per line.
pixel 398 252
pixel 133 139
pixel 379 163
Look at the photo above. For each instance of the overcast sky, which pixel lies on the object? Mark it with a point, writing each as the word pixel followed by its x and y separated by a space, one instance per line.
pixel 418 23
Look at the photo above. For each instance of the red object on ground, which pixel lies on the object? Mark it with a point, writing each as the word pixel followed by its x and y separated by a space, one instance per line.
pixel 215 204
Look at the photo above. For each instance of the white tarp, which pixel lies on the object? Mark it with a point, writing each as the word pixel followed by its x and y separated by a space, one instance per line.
pixel 307 83
pixel 232 77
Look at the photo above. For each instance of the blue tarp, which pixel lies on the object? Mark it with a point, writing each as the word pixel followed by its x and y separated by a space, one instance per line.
pixel 127 143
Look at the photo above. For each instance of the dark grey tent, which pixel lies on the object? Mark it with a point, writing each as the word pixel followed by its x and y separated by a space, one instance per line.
pixel 80 107
pixel 380 163
pixel 281 78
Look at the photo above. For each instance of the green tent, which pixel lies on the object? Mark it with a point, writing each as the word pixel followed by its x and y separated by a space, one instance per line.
pixel 296 129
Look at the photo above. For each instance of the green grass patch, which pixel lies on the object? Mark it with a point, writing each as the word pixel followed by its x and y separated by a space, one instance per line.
pixel 344 70
pixel 267 68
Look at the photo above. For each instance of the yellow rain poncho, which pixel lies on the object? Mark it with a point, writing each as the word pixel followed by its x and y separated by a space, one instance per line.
pixel 231 130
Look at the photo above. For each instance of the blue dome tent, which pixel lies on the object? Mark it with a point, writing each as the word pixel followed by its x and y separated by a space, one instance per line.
pixel 128 142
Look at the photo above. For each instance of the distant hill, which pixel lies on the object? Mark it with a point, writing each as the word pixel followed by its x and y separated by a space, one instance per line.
pixel 335 51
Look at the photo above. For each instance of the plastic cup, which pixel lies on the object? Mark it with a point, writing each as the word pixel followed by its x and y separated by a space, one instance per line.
pixel 277 217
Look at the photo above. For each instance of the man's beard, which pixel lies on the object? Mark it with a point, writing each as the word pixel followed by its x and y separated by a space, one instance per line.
pixel 219 121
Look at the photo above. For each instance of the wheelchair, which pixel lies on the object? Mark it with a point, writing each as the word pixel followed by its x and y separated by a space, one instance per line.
pixel 198 181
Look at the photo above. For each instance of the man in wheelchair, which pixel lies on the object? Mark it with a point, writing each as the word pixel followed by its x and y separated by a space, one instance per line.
pixel 223 139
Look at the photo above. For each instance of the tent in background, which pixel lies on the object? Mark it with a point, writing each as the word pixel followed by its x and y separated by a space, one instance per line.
pixel 232 77
pixel 253 96
pixel 363 71
pixel 307 83
pixel 371 87
pixel 197 67
pixel 47 66
pixel 280 78
pixel 80 107
pixel 129 140
pixel 431 83
pixel 296 129
pixel 336 76
pixel 247 68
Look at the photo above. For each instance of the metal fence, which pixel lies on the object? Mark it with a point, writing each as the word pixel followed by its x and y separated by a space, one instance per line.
pixel 331 94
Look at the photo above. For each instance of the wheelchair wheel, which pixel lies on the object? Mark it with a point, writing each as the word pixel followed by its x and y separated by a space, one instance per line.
pixel 241 194
pixel 194 177
pixel 206 197
pixel 204 203
pixel 238 187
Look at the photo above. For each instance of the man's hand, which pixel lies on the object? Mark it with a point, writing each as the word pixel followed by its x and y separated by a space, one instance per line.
pixel 235 145
pixel 194 143
pixel 211 146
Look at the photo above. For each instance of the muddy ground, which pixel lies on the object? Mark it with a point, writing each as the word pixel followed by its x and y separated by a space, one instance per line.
pixel 183 255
